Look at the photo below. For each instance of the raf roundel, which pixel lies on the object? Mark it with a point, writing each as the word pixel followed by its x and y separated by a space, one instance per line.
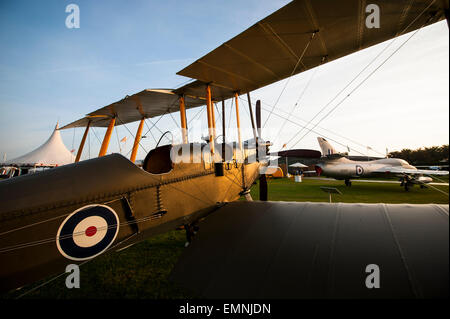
pixel 359 170
pixel 87 232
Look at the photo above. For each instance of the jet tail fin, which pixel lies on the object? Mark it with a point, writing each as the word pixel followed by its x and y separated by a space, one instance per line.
pixel 326 147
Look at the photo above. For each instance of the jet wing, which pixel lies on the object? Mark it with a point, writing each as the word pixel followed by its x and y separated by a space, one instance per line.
pixel 399 170
pixel 318 250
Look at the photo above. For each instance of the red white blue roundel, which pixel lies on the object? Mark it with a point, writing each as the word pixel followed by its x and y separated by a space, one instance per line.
pixel 87 232
pixel 359 170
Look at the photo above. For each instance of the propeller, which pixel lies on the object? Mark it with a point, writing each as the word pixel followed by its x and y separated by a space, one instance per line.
pixel 263 190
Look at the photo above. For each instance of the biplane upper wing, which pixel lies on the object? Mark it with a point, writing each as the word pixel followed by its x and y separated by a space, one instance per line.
pixel 318 250
pixel 300 36
pixel 147 103
pixel 150 103
pixel 304 34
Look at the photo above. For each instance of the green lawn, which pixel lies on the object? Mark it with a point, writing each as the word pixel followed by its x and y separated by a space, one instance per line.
pixel 142 271
pixel 360 192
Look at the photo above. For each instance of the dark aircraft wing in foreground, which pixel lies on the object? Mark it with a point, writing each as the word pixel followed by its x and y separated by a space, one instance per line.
pixel 318 250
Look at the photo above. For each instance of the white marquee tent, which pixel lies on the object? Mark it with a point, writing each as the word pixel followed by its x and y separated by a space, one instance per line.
pixel 52 153
pixel 298 164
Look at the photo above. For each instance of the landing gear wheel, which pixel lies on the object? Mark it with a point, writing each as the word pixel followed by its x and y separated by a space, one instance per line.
pixel 348 183
pixel 191 230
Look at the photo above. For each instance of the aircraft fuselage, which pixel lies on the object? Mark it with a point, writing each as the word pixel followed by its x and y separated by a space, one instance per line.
pixel 108 203
pixel 343 168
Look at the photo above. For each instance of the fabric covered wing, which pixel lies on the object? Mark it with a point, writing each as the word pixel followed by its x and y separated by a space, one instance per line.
pixel 318 250
pixel 280 45
pixel 145 104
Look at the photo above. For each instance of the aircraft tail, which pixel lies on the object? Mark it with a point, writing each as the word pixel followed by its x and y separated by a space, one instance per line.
pixel 326 147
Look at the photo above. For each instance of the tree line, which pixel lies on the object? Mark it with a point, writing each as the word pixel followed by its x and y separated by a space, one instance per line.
pixel 434 155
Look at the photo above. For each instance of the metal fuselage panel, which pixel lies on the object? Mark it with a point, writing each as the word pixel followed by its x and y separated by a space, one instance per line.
pixel 344 168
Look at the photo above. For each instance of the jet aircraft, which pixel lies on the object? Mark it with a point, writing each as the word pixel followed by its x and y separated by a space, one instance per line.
pixel 336 165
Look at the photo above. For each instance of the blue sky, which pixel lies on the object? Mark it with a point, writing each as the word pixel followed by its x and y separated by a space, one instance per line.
pixel 49 73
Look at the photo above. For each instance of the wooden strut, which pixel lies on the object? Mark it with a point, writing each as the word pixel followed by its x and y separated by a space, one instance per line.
pixel 137 139
pixel 83 140
pixel 107 137
pixel 251 116
pixel 223 122
pixel 183 120
pixel 223 131
pixel 238 123
pixel 210 117
pixel 213 118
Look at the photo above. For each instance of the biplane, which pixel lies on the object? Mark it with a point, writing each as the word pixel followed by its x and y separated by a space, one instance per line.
pixel 243 249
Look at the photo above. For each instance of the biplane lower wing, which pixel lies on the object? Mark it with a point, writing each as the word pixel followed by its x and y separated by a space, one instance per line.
pixel 318 250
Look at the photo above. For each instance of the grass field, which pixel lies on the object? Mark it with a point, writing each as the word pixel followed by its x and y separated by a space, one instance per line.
pixel 359 192
pixel 142 271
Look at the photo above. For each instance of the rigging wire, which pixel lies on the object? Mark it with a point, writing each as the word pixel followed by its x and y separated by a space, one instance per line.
pixel 79 265
pixel 131 133
pixel 53 239
pixel 73 139
pixel 164 135
pixel 118 142
pixel 196 115
pixel 229 187
pixel 220 114
pixel 185 82
pixel 231 112
pixel 176 123
pixel 77 234
pixel 153 124
pixel 328 130
pixel 318 133
pixel 389 44
pixel 99 141
pixel 296 103
pixel 402 32
pixel 89 145
pixel 358 86
pixel 292 73
pixel 301 126
pixel 149 131
pixel 343 89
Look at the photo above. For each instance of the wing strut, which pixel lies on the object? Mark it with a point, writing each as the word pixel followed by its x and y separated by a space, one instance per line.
pixel 238 123
pixel 83 140
pixel 107 137
pixel 183 120
pixel 210 110
pixel 137 139
pixel 251 115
